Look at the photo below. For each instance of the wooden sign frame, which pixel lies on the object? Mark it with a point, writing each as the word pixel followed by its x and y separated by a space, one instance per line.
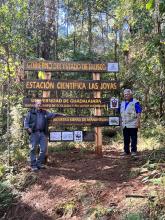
pixel 80 85
pixel 95 121
pixel 70 66
pixel 66 102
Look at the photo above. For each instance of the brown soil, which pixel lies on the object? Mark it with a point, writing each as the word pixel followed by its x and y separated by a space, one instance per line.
pixel 78 185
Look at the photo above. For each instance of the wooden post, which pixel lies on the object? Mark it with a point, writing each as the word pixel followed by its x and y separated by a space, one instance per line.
pixel 98 130
pixel 46 94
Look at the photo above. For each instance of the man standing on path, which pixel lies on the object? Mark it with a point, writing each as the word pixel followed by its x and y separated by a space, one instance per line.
pixel 36 124
pixel 130 110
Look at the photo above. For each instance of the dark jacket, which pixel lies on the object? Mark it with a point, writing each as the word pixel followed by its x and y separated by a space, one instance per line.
pixel 31 119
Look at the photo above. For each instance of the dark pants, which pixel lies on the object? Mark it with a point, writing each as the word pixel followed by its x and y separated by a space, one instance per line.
pixel 130 136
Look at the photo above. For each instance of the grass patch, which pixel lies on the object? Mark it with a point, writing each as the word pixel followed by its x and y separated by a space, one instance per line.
pixel 133 216
pixel 6 198
pixel 62 147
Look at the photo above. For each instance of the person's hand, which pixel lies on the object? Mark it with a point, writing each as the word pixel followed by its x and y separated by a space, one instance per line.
pixel 29 130
pixel 138 124
pixel 63 114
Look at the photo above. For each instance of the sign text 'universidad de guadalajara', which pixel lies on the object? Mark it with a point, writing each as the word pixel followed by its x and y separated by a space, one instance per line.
pixel 67 102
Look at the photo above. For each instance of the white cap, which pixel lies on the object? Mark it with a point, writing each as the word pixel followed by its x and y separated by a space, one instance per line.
pixel 128 91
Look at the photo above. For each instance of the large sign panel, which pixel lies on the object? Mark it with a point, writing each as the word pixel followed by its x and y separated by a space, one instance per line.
pixel 70 66
pixel 66 102
pixel 86 120
pixel 83 85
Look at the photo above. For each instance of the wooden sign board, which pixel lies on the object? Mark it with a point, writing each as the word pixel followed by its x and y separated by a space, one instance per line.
pixel 70 66
pixel 67 102
pixel 96 121
pixel 76 136
pixel 83 85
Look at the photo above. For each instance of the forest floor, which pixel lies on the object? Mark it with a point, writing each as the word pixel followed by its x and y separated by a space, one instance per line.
pixel 78 185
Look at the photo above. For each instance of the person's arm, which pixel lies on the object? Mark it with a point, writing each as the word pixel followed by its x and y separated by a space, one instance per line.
pixel 138 109
pixel 138 123
pixel 26 123
pixel 53 115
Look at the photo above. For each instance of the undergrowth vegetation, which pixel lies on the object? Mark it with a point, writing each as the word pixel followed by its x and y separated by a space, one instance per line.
pixel 151 146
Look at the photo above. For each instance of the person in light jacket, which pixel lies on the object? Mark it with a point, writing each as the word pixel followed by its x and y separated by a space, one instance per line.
pixel 130 110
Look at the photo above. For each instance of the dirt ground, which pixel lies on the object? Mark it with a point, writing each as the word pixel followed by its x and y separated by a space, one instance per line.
pixel 78 185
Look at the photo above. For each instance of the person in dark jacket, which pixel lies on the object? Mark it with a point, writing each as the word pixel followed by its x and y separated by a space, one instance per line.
pixel 36 124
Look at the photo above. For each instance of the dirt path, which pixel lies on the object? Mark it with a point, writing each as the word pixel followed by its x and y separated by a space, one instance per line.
pixel 78 185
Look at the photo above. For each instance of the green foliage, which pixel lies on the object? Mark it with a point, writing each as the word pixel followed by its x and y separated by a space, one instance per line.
pixel 133 216
pixel 154 129
pixel 16 128
pixel 158 181
pixel 20 155
pixel 62 148
pixel 150 4
pixel 6 198
pixel 67 209
pixel 99 211
pixel 2 170
pixel 22 181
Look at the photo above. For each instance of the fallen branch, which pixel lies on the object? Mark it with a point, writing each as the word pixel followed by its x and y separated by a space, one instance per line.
pixel 140 196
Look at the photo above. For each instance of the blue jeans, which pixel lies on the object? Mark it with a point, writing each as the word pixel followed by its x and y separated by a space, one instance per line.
pixel 37 139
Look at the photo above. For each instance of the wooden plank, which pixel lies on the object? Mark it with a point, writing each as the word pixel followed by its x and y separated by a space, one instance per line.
pixel 98 130
pixel 46 94
pixel 81 85
pixel 84 121
pixel 70 66
pixel 67 102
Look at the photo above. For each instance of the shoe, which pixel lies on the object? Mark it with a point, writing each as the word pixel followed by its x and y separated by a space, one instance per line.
pixel 133 154
pixel 124 154
pixel 42 166
pixel 34 169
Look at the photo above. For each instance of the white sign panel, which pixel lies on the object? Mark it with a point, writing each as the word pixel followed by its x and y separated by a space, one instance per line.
pixel 113 67
pixel 114 121
pixel 55 136
pixel 67 135
pixel 78 136
pixel 114 103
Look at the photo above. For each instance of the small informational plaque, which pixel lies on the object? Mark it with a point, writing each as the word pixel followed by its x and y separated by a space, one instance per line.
pixel 113 67
pixel 78 136
pixel 114 103
pixel 55 136
pixel 67 136
pixel 115 121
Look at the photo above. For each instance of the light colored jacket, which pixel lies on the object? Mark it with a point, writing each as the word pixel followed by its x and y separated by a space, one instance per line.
pixel 128 115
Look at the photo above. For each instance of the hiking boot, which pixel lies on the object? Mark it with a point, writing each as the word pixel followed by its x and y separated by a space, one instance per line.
pixel 42 166
pixel 124 154
pixel 134 154
pixel 34 169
